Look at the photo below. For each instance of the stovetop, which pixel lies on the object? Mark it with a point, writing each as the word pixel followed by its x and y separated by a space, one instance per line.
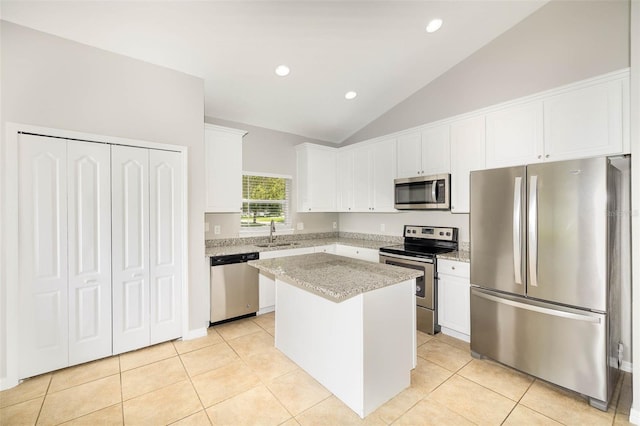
pixel 425 242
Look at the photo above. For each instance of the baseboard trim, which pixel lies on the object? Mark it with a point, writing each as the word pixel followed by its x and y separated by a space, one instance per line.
pixel 634 416
pixel 456 334
pixel 195 334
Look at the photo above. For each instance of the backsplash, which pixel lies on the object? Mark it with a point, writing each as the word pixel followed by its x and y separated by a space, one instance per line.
pixel 218 242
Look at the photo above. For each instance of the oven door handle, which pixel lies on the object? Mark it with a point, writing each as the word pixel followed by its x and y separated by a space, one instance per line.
pixel 384 255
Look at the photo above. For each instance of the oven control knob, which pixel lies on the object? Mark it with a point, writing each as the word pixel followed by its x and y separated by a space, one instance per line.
pixel 441 233
pixel 448 234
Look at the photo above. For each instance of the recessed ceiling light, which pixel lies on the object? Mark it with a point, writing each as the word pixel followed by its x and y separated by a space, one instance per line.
pixel 282 70
pixel 350 95
pixel 434 25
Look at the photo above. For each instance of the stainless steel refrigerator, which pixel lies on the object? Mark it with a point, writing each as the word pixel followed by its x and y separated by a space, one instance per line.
pixel 545 294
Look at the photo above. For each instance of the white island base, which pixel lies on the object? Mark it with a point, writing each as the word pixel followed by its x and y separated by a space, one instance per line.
pixel 361 349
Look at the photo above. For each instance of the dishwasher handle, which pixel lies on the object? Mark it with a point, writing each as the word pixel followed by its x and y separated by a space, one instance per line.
pixel 233 258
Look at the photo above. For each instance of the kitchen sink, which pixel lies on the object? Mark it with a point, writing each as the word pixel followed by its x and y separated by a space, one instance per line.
pixel 277 244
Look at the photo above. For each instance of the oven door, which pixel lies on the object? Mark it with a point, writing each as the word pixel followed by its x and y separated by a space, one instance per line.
pixel 426 295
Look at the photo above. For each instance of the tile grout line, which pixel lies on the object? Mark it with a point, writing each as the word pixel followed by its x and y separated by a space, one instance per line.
pixel 46 392
pixel 121 391
pixel 193 387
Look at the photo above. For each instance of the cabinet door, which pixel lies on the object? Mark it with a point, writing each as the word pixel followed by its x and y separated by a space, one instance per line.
pixel 43 297
pixel 345 180
pixel 89 250
pixel 584 123
pixel 467 153
pixel 453 304
pixel 165 251
pixel 316 178
pixel 383 171
pixel 514 136
pixel 223 167
pixel 409 162
pixel 130 247
pixel 436 158
pixel 266 292
pixel 361 180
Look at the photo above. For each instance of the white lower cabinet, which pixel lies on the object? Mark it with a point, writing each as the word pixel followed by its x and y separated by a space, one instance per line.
pixel 99 253
pixel 367 254
pixel 453 298
pixel 267 282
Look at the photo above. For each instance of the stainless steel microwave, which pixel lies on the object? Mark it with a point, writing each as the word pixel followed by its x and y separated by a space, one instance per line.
pixel 423 193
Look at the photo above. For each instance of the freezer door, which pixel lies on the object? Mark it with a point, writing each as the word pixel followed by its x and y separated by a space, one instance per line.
pixel 566 347
pixel 567 232
pixel 498 207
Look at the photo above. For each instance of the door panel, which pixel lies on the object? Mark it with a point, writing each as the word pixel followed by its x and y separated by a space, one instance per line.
pixel 567 243
pixel 563 346
pixel 497 225
pixel 42 183
pixel 165 293
pixel 89 219
pixel 130 247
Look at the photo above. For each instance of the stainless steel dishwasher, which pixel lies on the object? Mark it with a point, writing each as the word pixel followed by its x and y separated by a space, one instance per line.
pixel 234 286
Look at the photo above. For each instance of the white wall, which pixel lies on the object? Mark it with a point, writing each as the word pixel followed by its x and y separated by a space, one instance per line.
pixel 269 151
pixel 562 42
pixel 52 82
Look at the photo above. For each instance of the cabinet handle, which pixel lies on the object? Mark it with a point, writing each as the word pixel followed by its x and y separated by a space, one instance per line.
pixel 453 267
pixel 309 208
pixel 546 156
pixel 539 157
pixel 422 172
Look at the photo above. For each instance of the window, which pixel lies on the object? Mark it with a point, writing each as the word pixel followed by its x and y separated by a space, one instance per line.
pixel 265 198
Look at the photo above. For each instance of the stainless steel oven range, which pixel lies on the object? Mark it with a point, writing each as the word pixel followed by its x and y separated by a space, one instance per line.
pixel 421 245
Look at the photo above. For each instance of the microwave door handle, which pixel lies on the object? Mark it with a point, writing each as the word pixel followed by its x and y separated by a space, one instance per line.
pixel 434 191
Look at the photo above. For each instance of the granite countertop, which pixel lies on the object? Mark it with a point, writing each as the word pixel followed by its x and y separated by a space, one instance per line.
pixel 314 242
pixel 460 256
pixel 336 278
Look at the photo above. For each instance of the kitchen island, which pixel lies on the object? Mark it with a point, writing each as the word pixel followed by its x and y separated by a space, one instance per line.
pixel 349 323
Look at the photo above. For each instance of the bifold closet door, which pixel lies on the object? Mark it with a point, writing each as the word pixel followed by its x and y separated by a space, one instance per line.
pixel 165 219
pixel 130 247
pixel 89 248
pixel 43 299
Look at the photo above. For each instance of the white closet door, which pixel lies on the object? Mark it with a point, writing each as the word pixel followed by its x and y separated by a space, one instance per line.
pixel 43 341
pixel 130 247
pixel 89 244
pixel 165 219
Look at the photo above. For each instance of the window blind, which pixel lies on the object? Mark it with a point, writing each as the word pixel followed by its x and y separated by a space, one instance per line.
pixel 264 199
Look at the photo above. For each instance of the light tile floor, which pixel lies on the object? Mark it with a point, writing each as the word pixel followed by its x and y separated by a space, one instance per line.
pixel 235 376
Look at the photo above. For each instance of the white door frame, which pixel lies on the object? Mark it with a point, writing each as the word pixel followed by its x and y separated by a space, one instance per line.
pixel 9 256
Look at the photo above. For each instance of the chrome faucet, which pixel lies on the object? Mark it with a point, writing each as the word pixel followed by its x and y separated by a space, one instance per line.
pixel 272 229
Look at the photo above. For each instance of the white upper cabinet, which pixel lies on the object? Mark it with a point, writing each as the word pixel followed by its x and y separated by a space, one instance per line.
pixel 514 135
pixel 344 183
pixel 223 168
pixel 366 174
pixel 467 154
pixel 383 172
pixel 584 123
pixel 424 153
pixel 316 178
pixel 409 148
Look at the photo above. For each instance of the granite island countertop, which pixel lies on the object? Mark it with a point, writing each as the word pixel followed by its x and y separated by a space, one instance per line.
pixel 336 278
pixel 312 242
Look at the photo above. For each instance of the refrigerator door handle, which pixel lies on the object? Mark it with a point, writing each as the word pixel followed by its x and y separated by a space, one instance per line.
pixel 542 310
pixel 517 230
pixel 533 231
